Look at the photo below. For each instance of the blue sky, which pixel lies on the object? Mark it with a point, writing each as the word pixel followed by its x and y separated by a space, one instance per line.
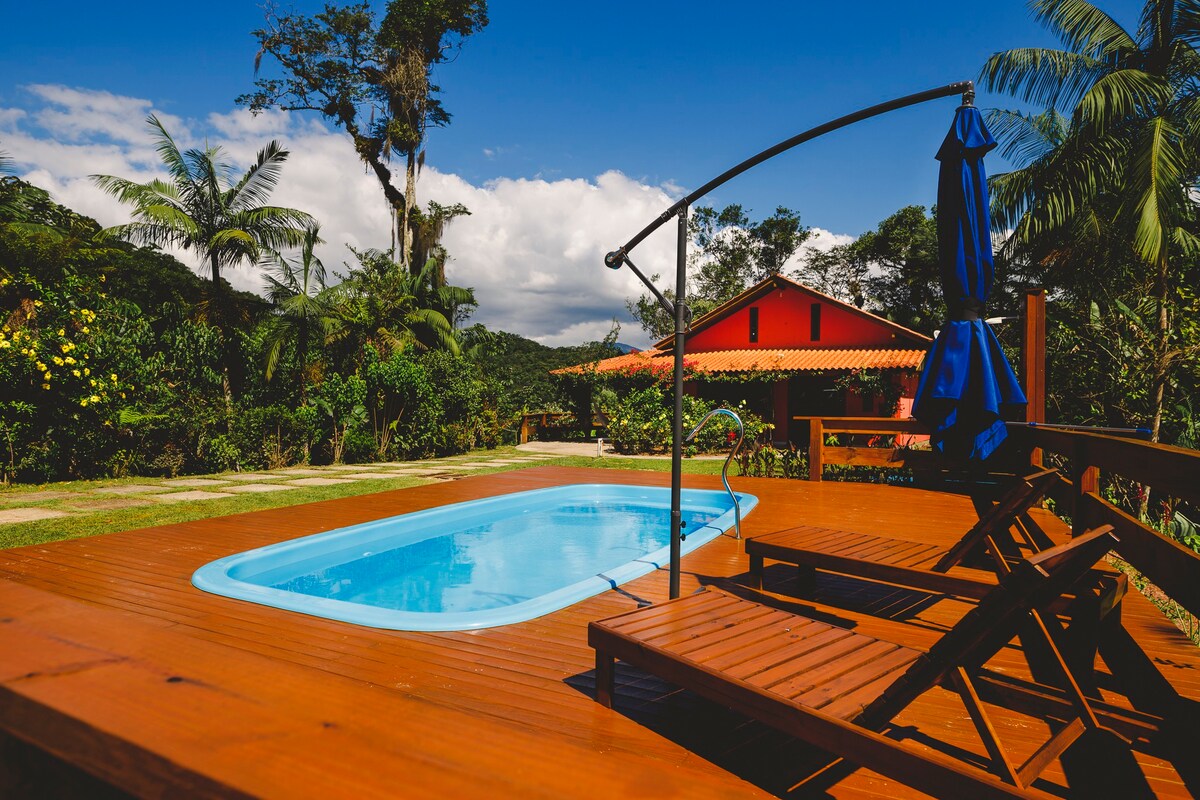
pixel 552 96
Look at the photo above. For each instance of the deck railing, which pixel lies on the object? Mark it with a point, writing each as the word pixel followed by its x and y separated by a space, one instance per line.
pixel 821 455
pixel 1162 470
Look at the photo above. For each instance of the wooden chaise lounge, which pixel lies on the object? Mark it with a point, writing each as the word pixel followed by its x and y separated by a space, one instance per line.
pixel 838 690
pixel 916 564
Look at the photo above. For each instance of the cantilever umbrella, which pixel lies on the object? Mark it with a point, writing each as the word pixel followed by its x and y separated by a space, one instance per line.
pixel 966 379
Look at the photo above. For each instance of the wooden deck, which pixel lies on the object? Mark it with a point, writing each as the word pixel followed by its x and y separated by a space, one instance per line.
pixel 113 667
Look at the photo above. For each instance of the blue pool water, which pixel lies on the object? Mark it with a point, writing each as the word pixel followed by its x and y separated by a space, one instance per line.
pixel 478 564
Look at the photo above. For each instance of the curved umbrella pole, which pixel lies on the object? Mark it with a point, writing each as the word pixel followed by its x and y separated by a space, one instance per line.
pixel 678 309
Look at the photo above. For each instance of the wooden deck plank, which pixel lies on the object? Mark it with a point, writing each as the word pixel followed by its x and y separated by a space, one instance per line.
pixel 527 685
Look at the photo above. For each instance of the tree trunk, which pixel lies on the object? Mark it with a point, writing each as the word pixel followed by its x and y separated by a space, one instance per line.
pixel 1159 387
pixel 218 318
pixel 410 201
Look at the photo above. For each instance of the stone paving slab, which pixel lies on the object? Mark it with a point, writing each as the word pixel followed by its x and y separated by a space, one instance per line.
pixel 112 503
pixel 195 494
pixel 298 471
pixel 348 467
pixel 318 481
pixel 480 464
pixel 251 477
pixel 10 515
pixel 34 497
pixel 194 482
pixel 416 472
pixel 508 461
pixel 260 487
pixel 133 488
pixel 366 476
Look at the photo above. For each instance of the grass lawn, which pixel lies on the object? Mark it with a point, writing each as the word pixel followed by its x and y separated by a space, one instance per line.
pixel 75 497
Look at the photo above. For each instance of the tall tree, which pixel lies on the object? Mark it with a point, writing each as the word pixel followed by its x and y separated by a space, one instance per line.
pixel 1124 164
pixel 205 207
pixel 382 304
pixel 303 308
pixel 373 79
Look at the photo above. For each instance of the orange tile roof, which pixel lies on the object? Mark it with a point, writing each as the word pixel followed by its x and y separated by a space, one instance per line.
pixel 763 360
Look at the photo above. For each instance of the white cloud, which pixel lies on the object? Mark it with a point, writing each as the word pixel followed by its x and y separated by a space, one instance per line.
pixel 532 249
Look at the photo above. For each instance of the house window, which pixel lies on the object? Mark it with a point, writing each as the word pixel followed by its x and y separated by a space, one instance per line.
pixel 815 323
pixel 754 325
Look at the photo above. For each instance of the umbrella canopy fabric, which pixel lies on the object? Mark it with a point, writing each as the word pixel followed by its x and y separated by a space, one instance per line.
pixel 966 379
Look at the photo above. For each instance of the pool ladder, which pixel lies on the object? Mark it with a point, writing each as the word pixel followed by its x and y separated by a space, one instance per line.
pixel 737 508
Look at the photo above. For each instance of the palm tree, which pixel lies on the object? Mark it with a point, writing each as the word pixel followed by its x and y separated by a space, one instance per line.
pixel 1121 166
pixel 381 303
pixel 207 209
pixel 296 288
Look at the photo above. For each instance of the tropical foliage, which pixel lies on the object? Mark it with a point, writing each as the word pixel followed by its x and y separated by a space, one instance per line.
pixel 1105 193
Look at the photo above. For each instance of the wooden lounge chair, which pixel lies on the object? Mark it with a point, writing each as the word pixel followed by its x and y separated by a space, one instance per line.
pixel 837 689
pixel 916 564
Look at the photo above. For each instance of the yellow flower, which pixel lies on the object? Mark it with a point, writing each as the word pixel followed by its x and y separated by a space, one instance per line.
pixel 73 312
pixel 70 360
pixel 92 381
pixel 85 329
pixel 57 361
pixel 94 398
pixel 37 303
pixel 45 386
pixel 83 403
pixel 66 348
pixel 103 278
pixel 24 351
pixel 87 371
pixel 62 331
pixel 41 367
pixel 114 377
pixel 75 372
pixel 5 344
pixel 46 375
pixel 122 395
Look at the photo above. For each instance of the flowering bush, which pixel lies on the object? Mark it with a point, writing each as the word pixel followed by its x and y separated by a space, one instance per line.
pixel 68 364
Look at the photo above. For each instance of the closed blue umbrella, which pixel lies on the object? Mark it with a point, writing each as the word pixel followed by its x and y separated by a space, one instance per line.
pixel 966 379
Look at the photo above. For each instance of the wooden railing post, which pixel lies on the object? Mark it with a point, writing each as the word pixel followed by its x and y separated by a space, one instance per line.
pixel 1085 479
pixel 816 447
pixel 1033 361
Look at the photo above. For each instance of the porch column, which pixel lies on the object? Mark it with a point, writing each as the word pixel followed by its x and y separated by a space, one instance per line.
pixel 779 405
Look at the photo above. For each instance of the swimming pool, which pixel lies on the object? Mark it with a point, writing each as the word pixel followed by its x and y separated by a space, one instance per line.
pixel 478 564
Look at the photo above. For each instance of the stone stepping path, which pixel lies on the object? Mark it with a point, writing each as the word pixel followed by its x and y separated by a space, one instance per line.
pixel 194 482
pixel 111 503
pixel 256 488
pixel 132 495
pixel 9 515
pixel 133 488
pixel 195 494
pixel 318 481
pixel 34 497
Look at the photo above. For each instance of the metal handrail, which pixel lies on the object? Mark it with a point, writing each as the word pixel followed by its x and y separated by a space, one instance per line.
pixel 737 508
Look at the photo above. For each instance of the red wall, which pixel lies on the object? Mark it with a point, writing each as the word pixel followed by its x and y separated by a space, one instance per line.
pixel 784 322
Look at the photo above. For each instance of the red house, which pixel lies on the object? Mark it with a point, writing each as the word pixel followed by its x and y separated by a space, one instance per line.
pixel 797 352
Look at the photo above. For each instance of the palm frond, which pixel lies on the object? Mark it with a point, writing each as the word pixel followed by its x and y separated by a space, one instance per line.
pixel 1155 186
pixel 1024 138
pixel 1049 78
pixel 255 187
pixel 1119 96
pixel 1083 28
